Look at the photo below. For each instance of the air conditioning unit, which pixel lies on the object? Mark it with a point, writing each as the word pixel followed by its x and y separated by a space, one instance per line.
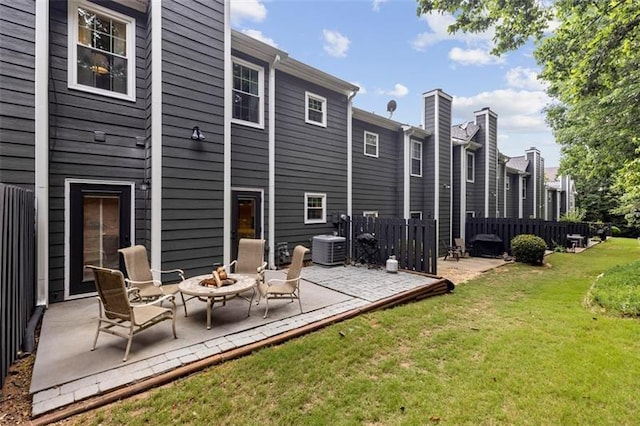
pixel 328 250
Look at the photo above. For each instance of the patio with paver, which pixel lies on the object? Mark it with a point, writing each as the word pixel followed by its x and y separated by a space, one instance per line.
pixel 66 371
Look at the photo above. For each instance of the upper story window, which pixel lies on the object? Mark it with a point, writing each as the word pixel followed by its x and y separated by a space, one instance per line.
pixel 315 208
pixel 416 158
pixel 370 214
pixel 315 109
pixel 370 144
pixel 101 51
pixel 248 93
pixel 471 167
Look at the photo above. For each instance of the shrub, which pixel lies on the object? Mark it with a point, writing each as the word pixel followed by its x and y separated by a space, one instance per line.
pixel 528 248
pixel 615 231
pixel 576 215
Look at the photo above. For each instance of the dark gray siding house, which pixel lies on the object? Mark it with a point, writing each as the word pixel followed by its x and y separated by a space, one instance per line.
pixel 310 157
pixel 17 89
pixel 192 170
pixel 377 153
pixel 437 170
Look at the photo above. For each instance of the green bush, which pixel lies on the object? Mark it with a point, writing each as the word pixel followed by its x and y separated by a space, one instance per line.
pixel 617 291
pixel 615 231
pixel 575 215
pixel 528 248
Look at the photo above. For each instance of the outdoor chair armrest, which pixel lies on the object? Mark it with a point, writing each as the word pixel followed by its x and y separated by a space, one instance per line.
pixel 133 290
pixel 156 283
pixel 168 297
pixel 274 281
pixel 168 271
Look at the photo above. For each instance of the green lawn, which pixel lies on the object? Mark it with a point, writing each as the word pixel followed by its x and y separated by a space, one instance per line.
pixel 516 346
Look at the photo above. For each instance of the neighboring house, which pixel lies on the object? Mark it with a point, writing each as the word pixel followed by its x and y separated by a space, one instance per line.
pixel 154 123
pixel 560 193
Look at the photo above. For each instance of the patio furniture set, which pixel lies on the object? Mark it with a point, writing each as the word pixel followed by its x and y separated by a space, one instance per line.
pixel 130 305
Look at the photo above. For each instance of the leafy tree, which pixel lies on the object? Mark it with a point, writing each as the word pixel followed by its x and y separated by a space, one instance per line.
pixel 591 62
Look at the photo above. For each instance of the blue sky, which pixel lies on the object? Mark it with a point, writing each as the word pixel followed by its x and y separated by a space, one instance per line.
pixel 391 53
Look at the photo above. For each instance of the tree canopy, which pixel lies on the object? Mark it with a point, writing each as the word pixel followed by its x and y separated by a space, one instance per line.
pixel 591 62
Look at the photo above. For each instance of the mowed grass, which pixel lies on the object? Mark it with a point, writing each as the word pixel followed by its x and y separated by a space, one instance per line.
pixel 516 346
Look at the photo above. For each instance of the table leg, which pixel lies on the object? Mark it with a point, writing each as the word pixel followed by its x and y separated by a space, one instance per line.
pixel 209 306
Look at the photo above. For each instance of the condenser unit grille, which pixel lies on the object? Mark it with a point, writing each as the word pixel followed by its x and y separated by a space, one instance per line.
pixel 328 250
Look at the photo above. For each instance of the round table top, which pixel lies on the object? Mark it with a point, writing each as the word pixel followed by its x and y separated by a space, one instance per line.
pixel 192 287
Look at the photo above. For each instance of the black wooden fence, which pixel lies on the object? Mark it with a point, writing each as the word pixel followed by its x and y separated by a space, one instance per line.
pixel 412 241
pixel 553 233
pixel 17 270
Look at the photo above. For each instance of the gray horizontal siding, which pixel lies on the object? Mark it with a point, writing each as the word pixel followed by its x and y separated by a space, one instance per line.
pixel 309 158
pixel 74 116
pixel 375 179
pixel 17 100
pixel 192 174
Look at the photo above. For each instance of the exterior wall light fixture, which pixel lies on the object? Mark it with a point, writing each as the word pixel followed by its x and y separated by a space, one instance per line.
pixel 197 134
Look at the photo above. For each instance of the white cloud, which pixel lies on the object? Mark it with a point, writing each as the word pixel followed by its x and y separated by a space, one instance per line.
pixel 335 44
pixel 376 5
pixel 251 10
pixel 363 90
pixel 477 46
pixel 259 36
pixel 523 78
pixel 473 57
pixel 519 111
pixel 521 122
pixel 398 91
pixel 439 24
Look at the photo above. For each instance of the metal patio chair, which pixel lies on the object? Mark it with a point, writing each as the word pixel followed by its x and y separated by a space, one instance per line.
pixel 117 311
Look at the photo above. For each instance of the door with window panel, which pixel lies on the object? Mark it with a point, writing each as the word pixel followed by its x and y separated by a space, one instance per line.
pixel 99 224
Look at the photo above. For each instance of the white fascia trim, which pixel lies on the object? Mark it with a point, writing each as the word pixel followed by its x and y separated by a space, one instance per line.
pixel 350 153
pixel 486 166
pixel 534 202
pixel 67 225
pixel 436 92
pixel 436 152
pixel 156 135
pixel 406 184
pixel 504 190
pixel 463 193
pixel 272 161
pixel 228 107
pixel 41 116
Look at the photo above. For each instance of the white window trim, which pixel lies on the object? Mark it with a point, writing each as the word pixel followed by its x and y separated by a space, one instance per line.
pixel 370 213
pixel 413 158
pixel 260 123
pixel 472 213
pixel 307 95
pixel 466 159
pixel 307 195
pixel 365 143
pixel 418 212
pixel 72 50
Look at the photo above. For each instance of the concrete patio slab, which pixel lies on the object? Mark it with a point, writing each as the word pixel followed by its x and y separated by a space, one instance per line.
pixel 66 371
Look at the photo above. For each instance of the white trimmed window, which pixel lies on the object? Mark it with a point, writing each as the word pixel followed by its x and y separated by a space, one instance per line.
pixel 101 51
pixel 471 213
pixel 248 94
pixel 370 144
pixel 315 109
pixel 416 158
pixel 315 208
pixel 415 215
pixel 370 214
pixel 471 167
pixel 523 184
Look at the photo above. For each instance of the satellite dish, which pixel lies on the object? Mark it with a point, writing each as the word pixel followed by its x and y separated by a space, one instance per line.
pixel 391 107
